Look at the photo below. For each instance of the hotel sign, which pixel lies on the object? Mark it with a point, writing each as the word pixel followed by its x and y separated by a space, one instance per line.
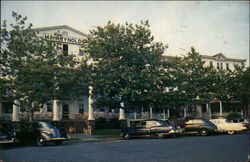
pixel 63 39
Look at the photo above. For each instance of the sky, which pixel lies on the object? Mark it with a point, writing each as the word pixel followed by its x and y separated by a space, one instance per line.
pixel 210 27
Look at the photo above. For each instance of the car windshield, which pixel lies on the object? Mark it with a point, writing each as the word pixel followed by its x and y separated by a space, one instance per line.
pixel 3 132
pixel 163 123
pixel 47 124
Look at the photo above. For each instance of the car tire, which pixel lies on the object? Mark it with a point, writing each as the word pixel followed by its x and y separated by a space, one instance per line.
pixel 203 132
pixel 58 142
pixel 40 141
pixel 126 136
pixel 230 132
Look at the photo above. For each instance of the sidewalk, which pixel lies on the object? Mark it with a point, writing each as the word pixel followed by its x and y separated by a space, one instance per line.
pixel 80 137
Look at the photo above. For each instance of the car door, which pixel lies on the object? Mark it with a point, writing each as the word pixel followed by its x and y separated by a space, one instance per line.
pixel 142 129
pixel 156 128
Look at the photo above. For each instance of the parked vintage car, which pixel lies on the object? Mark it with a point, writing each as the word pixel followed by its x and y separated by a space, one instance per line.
pixel 6 137
pixel 200 126
pixel 229 127
pixel 244 121
pixel 151 128
pixel 41 132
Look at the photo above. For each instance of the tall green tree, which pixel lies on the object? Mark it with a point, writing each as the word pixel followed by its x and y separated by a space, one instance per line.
pixel 238 87
pixel 34 70
pixel 189 81
pixel 126 64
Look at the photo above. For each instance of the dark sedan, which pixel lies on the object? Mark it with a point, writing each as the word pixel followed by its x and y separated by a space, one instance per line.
pixel 41 132
pixel 6 137
pixel 200 126
pixel 149 128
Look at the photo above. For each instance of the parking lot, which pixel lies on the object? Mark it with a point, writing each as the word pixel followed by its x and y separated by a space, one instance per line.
pixel 186 148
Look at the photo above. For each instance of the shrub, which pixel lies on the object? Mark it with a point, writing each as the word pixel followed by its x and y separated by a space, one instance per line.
pixel 233 116
pixel 101 123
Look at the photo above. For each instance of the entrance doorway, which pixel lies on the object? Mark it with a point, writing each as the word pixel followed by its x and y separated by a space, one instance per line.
pixel 65 108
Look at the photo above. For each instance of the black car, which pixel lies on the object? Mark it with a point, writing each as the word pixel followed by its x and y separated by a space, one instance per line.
pixel 149 128
pixel 41 132
pixel 200 126
pixel 6 137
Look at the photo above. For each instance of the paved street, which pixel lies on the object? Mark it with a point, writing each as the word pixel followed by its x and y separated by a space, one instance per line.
pixel 189 148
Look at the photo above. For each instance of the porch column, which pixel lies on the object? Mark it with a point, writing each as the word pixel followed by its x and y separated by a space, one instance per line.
pixel 220 108
pixel 151 112
pixel 91 114
pixel 16 111
pixel 122 112
pixel 208 105
pixel 164 114
pixel 122 117
pixel 1 107
pixel 198 108
pixel 185 112
pixel 56 112
pixel 168 114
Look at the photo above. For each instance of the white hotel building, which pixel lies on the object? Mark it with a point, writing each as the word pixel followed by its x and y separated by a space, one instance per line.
pixel 72 41
pixel 220 61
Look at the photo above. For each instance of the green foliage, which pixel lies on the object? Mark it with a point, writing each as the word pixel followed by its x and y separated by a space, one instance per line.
pixel 188 79
pixel 34 70
pixel 103 123
pixel 232 116
pixel 127 67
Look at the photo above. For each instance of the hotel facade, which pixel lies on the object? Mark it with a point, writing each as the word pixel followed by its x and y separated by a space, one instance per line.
pixel 72 43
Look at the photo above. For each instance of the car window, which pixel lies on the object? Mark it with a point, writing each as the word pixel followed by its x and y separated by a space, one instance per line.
pixel 3 132
pixel 141 124
pixel 152 123
pixel 235 121
pixel 198 121
pixel 47 125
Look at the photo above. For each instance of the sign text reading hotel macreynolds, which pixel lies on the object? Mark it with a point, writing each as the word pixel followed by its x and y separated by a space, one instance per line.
pixel 71 40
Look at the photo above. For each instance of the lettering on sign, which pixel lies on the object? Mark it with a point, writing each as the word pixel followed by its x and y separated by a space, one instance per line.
pixel 71 40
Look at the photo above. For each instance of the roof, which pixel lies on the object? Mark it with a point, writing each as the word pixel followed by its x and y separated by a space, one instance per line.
pixel 220 56
pixel 61 27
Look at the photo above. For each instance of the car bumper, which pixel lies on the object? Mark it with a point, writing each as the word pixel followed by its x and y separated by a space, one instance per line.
pixel 2 141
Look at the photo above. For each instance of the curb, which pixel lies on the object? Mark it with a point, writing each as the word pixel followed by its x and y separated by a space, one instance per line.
pixel 93 140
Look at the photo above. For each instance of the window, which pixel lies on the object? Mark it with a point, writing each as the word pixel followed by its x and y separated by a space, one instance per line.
pixel 65 49
pixel 218 65
pixel 221 65
pixel 7 107
pixel 81 108
pixel 49 107
pixel 198 121
pixel 227 66
pixel 211 64
pixel 141 124
pixel 80 52
pixel 152 123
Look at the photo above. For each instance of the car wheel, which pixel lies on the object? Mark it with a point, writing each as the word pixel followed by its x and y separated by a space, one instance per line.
pixel 203 132
pixel 58 142
pixel 230 132
pixel 40 141
pixel 126 136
